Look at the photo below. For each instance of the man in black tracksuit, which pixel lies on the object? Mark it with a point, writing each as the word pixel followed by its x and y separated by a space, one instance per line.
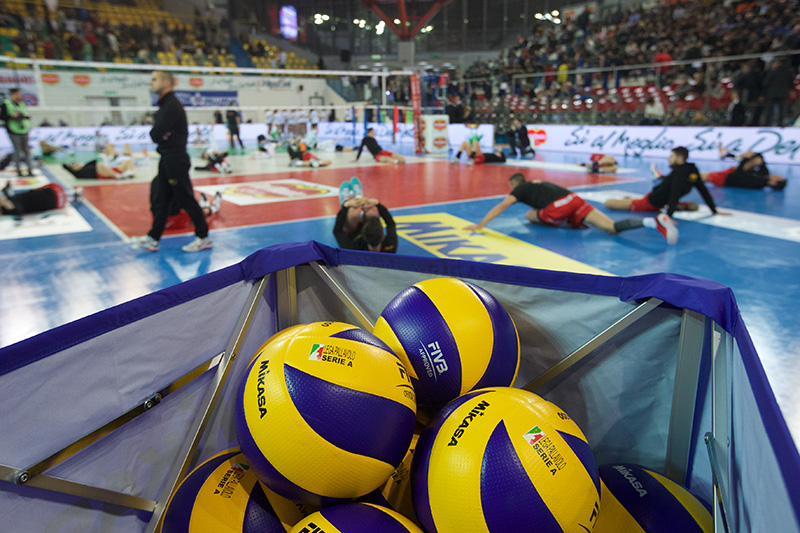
pixel 668 192
pixel 172 184
pixel 518 138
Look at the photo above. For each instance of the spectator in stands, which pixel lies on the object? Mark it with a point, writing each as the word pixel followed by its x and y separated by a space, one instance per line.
pixel 736 114
pixel 778 81
pixel 653 112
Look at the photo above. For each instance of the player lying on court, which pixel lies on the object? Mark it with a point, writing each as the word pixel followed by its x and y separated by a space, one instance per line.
pixel 109 165
pixel 51 196
pixel 670 189
pixel 215 162
pixel 299 156
pixel 358 224
pixel 380 155
pixel 178 218
pixel 473 150
pixel 600 164
pixel 751 173
pixel 553 205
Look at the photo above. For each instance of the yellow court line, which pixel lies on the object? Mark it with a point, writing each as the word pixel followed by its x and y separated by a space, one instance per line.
pixel 441 235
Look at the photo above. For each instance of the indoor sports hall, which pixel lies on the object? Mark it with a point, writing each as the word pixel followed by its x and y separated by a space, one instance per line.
pixel 436 79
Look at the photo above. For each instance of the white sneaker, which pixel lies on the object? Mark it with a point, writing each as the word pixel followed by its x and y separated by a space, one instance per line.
pixel 454 162
pixel 204 200
pixel 666 227
pixel 198 244
pixel 655 172
pixel 216 203
pixel 146 242
pixel 76 195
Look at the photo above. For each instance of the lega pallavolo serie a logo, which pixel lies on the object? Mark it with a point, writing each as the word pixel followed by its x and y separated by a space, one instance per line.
pixel 316 352
pixel 534 435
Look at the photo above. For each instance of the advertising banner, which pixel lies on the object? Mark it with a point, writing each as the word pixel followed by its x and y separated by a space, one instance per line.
pixel 434 133
pixel 779 145
pixel 344 132
pixel 21 79
pixel 203 98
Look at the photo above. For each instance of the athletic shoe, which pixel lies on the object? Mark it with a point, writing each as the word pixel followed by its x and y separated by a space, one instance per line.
pixel 204 200
pixel 127 174
pixel 146 242
pixel 687 206
pixel 345 192
pixel 315 163
pixel 198 244
pixel 471 162
pixel 655 172
pixel 355 184
pixel 76 195
pixel 454 161
pixel 666 227
pixel 216 204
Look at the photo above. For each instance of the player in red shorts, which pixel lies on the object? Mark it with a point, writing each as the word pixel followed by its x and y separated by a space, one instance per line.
pixel 600 164
pixel 668 192
pixel 751 173
pixel 553 205
pixel 299 156
pixel 380 155
pixel 477 157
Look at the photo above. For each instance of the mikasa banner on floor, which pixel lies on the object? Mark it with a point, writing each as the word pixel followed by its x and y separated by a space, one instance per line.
pixel 779 145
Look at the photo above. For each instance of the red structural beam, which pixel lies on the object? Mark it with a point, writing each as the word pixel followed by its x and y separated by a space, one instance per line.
pixel 404 30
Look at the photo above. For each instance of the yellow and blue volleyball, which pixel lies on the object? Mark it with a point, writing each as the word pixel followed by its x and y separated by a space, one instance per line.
pixel 504 459
pixel 224 495
pixel 638 500
pixel 453 337
pixel 325 414
pixel 356 518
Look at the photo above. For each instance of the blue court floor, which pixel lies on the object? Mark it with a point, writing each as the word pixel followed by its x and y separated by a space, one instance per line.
pixel 51 280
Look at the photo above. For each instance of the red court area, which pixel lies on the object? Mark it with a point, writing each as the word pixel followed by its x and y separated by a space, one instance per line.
pixel 127 205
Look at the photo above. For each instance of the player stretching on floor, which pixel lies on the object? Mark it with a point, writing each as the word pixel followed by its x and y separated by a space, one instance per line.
pixel 476 157
pixel 380 155
pixel 600 164
pixel 51 196
pixel 553 205
pixel 751 173
pixel 668 192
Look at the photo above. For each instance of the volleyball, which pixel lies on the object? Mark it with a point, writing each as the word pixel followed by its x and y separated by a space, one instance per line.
pixel 504 459
pixel 638 500
pixel 324 415
pixel 223 494
pixel 452 336
pixel 355 517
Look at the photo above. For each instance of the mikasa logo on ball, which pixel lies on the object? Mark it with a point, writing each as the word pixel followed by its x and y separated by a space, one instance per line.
pixel 478 410
pixel 636 484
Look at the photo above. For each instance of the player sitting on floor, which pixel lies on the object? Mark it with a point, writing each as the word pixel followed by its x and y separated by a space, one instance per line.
pixel 266 147
pixel 358 224
pixel 215 162
pixel 553 205
pixel 380 155
pixel 751 173
pixel 668 192
pixel 476 157
pixel 299 156
pixel 51 196
pixel 600 164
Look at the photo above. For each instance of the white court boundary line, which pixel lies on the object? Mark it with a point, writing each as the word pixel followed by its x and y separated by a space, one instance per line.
pixel 786 229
